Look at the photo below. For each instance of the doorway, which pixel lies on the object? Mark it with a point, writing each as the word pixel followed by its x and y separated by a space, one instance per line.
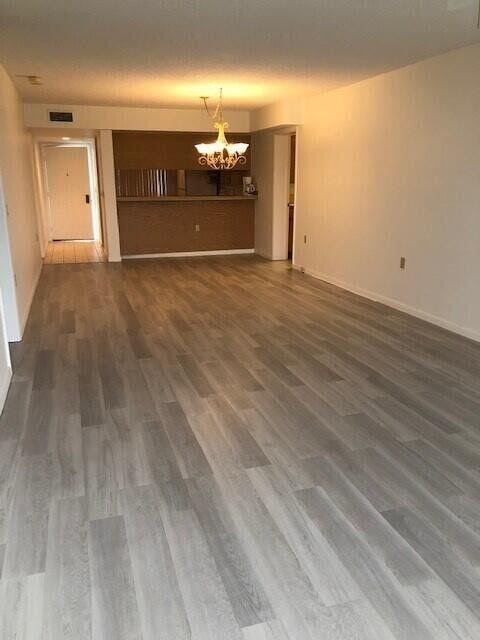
pixel 68 192
pixel 291 196
pixel 70 202
pixel 283 170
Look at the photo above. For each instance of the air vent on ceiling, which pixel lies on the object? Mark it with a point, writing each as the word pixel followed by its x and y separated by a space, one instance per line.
pixel 60 116
pixel 32 79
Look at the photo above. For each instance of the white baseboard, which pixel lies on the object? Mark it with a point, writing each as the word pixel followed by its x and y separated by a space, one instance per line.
pixel 467 332
pixel 4 386
pixel 186 254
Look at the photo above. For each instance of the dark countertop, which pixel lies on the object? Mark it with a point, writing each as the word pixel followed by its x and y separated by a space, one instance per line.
pixel 184 198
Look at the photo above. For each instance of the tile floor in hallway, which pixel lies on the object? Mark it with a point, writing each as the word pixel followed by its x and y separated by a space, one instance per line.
pixel 226 449
pixel 73 251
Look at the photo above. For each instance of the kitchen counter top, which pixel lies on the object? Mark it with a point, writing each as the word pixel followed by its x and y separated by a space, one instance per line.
pixel 184 198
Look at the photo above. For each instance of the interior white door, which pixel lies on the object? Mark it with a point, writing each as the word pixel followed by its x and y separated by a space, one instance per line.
pixel 69 194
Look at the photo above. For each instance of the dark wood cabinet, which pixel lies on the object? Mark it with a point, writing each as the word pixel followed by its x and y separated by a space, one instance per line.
pixel 183 226
pixel 165 149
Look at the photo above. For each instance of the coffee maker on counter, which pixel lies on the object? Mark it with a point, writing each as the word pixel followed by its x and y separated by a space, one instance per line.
pixel 249 189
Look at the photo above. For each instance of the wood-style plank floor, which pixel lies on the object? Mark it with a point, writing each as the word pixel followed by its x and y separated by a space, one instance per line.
pixel 73 251
pixel 225 449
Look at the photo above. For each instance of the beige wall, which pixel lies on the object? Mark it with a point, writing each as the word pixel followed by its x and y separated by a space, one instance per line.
pixel 5 366
pixel 16 164
pixel 279 114
pixel 390 167
pixel 92 117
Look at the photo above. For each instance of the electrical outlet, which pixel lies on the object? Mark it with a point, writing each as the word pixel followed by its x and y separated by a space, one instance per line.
pixel 197 227
pixel 402 263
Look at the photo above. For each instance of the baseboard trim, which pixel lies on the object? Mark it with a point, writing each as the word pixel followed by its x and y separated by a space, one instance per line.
pixel 187 254
pixel 466 332
pixel 4 387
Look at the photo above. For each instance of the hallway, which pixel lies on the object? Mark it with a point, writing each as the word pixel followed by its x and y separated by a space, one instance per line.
pixel 73 251
pixel 227 449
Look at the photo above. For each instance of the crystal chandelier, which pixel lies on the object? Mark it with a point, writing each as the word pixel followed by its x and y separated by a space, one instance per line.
pixel 220 154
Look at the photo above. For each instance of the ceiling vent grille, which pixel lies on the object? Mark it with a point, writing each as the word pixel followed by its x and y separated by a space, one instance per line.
pixel 60 116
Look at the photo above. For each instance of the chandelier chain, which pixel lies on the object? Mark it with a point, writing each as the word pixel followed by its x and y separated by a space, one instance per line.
pixel 217 115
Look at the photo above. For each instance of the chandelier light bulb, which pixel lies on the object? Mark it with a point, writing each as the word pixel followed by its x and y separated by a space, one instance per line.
pixel 220 154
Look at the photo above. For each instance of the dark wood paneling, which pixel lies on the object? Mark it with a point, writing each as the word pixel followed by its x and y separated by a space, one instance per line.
pixel 291 214
pixel 293 141
pixel 167 227
pixel 165 150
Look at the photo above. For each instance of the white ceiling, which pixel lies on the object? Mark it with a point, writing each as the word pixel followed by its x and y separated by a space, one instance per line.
pixel 168 52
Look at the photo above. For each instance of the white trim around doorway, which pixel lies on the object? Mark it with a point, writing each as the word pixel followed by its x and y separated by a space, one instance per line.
pixel 89 144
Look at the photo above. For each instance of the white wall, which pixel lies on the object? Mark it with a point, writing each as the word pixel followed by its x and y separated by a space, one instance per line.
pixel 16 169
pixel 5 366
pixel 390 167
pixel 40 198
pixel 270 169
pixel 262 171
pixel 271 173
pixel 108 195
pixel 92 117
pixel 7 276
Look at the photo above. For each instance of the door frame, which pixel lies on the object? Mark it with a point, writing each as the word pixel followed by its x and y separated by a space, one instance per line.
pixel 40 161
pixel 281 191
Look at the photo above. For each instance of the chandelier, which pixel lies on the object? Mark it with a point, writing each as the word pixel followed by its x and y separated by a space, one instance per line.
pixel 220 154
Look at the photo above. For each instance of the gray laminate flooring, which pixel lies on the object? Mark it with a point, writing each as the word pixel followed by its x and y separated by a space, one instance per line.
pixel 226 449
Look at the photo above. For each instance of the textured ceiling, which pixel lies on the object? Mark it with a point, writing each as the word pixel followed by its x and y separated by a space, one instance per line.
pixel 168 52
